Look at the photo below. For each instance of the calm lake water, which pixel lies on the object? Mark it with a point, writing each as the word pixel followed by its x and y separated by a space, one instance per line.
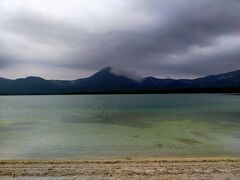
pixel 84 126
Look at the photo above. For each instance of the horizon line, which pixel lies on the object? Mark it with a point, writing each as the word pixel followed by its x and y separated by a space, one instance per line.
pixel 33 76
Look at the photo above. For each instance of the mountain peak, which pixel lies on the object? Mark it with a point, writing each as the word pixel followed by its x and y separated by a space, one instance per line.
pixel 106 70
pixel 34 78
pixel 103 72
pixel 109 72
pixel 31 78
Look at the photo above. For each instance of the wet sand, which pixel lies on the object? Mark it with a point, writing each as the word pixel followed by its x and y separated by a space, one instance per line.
pixel 219 168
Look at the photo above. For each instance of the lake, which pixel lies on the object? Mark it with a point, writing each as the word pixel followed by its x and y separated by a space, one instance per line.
pixel 90 126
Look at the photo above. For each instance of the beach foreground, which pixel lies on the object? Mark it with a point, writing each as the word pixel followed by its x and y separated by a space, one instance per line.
pixel 151 168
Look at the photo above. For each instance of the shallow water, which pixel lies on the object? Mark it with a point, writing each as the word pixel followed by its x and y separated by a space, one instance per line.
pixel 84 126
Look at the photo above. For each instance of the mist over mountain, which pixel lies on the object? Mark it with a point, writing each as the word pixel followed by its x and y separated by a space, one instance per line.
pixel 108 80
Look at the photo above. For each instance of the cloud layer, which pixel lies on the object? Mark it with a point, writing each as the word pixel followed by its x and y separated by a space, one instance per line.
pixel 69 39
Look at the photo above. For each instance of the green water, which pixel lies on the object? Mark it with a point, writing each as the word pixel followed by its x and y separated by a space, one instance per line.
pixel 119 125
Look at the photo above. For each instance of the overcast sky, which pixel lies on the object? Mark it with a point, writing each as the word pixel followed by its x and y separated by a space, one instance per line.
pixel 69 39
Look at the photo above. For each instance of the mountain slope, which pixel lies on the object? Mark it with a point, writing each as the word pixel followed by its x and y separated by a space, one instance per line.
pixel 230 79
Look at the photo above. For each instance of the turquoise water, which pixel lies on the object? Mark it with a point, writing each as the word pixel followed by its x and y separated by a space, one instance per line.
pixel 84 126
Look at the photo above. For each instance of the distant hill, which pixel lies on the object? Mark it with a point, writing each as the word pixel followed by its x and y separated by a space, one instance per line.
pixel 230 79
pixel 105 81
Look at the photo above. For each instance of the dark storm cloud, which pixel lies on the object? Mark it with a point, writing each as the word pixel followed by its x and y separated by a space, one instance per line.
pixel 195 26
pixel 178 38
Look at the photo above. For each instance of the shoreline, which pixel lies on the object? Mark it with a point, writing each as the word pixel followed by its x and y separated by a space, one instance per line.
pixel 122 168
pixel 124 159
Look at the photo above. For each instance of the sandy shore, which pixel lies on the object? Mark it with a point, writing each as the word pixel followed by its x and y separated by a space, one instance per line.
pixel 138 168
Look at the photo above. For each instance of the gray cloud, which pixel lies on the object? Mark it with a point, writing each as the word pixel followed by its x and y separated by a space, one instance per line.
pixel 177 38
pixel 3 62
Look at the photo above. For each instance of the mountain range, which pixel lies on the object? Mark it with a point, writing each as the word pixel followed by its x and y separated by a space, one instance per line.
pixel 105 81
